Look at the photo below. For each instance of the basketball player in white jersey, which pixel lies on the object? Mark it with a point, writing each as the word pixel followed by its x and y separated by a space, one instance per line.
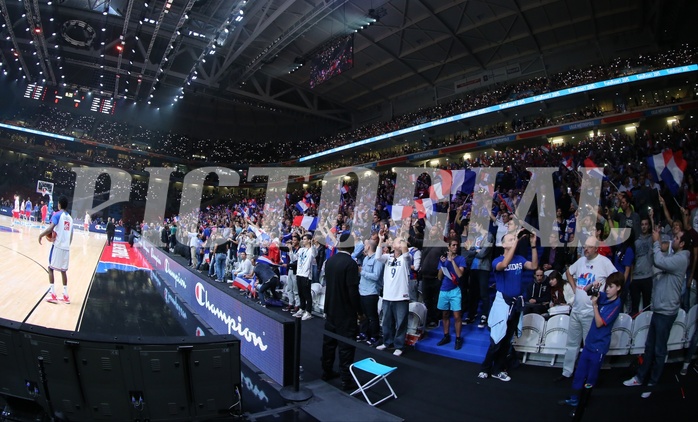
pixel 62 227
pixel 86 223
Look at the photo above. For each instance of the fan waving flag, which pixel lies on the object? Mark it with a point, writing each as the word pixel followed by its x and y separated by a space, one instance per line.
pixel 425 207
pixel 243 283
pixel 669 167
pixel 568 162
pixel 307 222
pixel 457 180
pixel 436 191
pixel 594 171
pixel 302 205
pixel 399 212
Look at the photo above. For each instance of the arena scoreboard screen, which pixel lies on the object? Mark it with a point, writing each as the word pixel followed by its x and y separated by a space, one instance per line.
pixel 102 105
pixel 35 92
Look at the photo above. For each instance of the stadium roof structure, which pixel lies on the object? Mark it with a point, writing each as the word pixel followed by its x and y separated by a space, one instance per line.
pixel 249 53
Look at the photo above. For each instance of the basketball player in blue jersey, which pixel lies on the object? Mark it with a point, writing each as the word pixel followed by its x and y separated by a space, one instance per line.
pixel 508 303
pixel 61 226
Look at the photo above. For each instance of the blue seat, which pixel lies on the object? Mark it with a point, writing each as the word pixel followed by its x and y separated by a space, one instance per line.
pixel 380 373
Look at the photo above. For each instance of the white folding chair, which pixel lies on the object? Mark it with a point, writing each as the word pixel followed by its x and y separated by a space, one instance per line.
pixel 555 337
pixel 678 332
pixel 531 335
pixel 690 324
pixel 416 319
pixel 317 292
pixel 621 336
pixel 641 326
pixel 380 373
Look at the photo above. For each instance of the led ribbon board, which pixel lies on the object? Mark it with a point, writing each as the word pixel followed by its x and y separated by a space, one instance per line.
pixel 492 109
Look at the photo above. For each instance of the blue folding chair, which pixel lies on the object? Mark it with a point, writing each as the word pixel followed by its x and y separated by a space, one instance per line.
pixel 379 372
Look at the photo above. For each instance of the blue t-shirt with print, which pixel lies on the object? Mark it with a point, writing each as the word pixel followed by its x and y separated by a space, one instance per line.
pixel 450 280
pixel 510 280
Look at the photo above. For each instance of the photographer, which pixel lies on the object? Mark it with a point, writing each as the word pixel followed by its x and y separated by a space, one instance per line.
pixel 606 306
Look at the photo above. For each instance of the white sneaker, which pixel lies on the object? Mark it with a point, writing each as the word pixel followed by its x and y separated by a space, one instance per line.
pixel 306 316
pixel 482 375
pixel 646 394
pixel 397 352
pixel 299 313
pixel 381 347
pixel 684 369
pixel 632 382
pixel 502 376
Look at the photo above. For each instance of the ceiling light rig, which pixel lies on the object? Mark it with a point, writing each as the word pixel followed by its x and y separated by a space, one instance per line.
pixel 121 46
pixel 34 28
pixel 105 13
pixel 42 47
pixel 171 50
pixel 306 22
pixel 55 56
pixel 18 57
pixel 146 59
pixel 235 17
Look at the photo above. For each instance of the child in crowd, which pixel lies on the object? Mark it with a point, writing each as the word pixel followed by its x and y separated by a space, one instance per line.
pixel 607 306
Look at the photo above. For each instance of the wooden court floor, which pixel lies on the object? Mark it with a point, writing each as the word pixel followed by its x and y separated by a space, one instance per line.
pixel 24 276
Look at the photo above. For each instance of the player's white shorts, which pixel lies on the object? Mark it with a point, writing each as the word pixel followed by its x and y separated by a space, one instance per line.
pixel 58 259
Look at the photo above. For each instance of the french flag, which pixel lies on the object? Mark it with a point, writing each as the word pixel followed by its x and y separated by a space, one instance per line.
pixel 265 260
pixel 400 212
pixel 594 170
pixel 425 207
pixel 307 222
pixel 345 189
pixel 449 274
pixel 436 191
pixel 568 162
pixel 243 283
pixel 457 180
pixel 301 205
pixel 668 166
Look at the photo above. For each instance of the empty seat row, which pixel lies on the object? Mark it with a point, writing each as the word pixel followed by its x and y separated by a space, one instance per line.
pixel 628 335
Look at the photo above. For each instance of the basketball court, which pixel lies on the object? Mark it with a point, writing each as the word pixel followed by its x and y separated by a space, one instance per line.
pixel 25 276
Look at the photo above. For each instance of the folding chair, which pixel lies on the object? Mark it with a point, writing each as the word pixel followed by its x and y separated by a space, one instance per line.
pixel 379 371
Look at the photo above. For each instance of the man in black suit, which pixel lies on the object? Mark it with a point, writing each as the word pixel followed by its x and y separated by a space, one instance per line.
pixel 111 229
pixel 342 308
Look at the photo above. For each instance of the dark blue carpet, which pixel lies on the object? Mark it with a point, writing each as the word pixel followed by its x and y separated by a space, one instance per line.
pixel 475 343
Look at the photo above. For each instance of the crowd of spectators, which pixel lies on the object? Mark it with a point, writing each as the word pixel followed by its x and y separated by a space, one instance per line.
pixel 249 224
pixel 279 150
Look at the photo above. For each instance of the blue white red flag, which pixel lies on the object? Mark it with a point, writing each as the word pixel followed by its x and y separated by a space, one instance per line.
pixel 568 162
pixel 302 205
pixel 425 207
pixel 305 221
pixel 668 167
pixel 399 212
